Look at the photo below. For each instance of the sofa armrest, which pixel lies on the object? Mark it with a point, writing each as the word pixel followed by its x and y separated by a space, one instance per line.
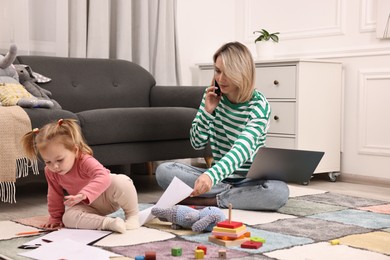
pixel 176 96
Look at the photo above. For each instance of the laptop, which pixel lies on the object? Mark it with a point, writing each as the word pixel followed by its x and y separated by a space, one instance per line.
pixel 287 165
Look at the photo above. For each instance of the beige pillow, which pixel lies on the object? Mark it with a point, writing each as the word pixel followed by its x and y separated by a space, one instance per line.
pixel 11 93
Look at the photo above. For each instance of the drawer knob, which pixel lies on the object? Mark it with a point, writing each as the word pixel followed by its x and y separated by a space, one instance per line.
pixel 276 82
pixel 276 118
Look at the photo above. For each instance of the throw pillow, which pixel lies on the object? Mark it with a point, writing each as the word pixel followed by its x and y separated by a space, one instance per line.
pixel 11 93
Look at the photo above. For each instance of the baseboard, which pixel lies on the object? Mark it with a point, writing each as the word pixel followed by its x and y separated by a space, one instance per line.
pixel 361 179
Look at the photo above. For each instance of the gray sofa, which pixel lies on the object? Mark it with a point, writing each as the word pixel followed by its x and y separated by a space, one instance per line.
pixel 123 115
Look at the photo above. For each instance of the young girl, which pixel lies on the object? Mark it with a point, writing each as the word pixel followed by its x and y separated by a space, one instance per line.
pixel 92 192
pixel 235 123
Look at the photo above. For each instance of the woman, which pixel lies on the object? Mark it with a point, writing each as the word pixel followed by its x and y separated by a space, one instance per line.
pixel 235 124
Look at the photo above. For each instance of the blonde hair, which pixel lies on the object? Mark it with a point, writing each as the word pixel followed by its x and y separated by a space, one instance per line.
pixel 238 67
pixel 68 132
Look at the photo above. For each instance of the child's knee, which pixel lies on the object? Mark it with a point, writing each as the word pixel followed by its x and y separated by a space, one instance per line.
pixel 71 217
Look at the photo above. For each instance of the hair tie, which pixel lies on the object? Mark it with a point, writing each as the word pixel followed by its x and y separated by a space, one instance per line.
pixel 60 121
pixel 35 130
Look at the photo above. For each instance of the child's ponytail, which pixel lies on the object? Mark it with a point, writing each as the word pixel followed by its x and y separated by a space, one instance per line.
pixel 71 128
pixel 69 132
pixel 28 143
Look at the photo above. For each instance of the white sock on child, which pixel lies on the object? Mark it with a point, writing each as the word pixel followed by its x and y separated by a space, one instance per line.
pixel 114 224
pixel 132 222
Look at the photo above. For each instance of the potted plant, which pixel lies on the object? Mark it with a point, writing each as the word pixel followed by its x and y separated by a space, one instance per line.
pixel 265 43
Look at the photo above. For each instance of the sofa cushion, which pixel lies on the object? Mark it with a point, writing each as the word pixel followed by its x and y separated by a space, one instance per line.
pixel 81 84
pixel 41 116
pixel 123 125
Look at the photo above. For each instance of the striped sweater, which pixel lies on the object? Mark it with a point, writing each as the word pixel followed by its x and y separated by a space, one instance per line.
pixel 235 132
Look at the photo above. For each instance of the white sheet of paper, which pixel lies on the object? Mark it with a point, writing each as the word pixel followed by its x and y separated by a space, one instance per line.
pixel 68 249
pixel 176 192
pixel 83 236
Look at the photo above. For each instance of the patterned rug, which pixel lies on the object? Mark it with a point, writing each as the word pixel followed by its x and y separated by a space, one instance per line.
pixel 302 229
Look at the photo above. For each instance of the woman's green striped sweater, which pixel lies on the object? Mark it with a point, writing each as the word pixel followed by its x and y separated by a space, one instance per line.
pixel 235 132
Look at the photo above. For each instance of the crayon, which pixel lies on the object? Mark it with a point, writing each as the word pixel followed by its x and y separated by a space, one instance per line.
pixel 36 232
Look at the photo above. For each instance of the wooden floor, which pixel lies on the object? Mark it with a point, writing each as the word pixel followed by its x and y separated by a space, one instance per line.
pixel 31 199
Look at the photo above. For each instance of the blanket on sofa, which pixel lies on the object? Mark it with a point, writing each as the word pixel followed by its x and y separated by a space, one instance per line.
pixel 14 124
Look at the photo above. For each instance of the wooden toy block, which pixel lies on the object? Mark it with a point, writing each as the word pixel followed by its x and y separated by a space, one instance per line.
pixel 229 224
pixel 222 253
pixel 150 255
pixel 251 244
pixel 335 242
pixel 226 236
pixel 202 247
pixel 227 243
pixel 139 257
pixel 258 239
pixel 176 251
pixel 241 229
pixel 199 254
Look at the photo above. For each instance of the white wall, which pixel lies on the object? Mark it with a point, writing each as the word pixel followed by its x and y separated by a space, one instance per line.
pixel 203 26
pixel 342 30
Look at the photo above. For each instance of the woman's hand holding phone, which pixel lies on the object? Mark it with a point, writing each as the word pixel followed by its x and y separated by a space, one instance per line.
pixel 212 98
pixel 218 89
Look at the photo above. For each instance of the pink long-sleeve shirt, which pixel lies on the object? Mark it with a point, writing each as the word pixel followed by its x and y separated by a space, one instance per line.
pixel 87 176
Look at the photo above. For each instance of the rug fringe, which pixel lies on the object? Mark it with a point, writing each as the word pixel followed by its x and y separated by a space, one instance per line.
pixel 8 192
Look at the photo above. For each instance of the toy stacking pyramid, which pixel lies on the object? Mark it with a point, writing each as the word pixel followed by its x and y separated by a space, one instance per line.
pixel 229 233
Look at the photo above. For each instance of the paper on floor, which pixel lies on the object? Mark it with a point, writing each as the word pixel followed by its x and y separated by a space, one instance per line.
pixel 176 192
pixel 83 236
pixel 68 249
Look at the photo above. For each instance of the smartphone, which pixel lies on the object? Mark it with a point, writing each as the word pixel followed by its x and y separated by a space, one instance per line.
pixel 218 89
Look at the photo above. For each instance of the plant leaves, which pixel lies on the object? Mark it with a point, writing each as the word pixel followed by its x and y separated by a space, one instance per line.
pixel 266 36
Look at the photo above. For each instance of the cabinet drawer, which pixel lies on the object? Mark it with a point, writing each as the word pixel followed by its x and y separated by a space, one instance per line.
pixel 282 119
pixel 280 142
pixel 276 82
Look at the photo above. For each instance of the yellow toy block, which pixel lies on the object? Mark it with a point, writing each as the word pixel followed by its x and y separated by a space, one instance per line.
pixel 199 254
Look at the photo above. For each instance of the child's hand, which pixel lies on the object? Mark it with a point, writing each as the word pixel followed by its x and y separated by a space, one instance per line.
pixel 49 225
pixel 72 200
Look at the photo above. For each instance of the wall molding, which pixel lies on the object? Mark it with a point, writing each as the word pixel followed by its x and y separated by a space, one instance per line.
pixel 364 179
pixel 362 51
pixel 364 77
pixel 338 28
pixel 326 54
pixel 366 24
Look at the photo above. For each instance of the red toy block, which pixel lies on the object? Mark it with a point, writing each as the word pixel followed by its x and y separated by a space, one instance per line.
pixel 229 224
pixel 202 247
pixel 251 244
pixel 150 255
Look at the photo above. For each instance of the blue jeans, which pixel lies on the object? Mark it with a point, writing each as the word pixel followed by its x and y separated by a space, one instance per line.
pixel 244 194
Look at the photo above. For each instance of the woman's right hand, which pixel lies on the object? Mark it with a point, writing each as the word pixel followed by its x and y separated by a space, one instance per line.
pixel 212 100
pixel 50 225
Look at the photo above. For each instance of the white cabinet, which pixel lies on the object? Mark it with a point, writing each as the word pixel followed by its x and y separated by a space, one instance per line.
pixel 305 98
